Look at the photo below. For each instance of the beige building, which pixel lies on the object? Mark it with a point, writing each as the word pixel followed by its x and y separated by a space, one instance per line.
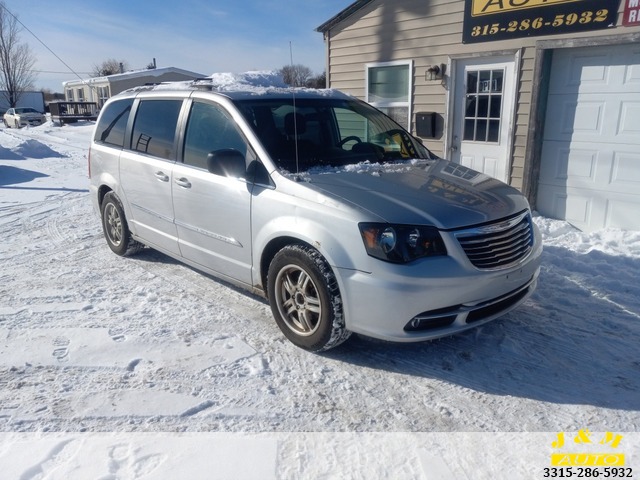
pixel 543 94
pixel 99 89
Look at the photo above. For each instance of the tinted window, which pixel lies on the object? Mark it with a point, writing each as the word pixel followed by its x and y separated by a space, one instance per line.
pixel 209 129
pixel 154 129
pixel 113 123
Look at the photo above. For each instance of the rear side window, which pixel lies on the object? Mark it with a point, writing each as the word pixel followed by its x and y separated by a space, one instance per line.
pixel 154 129
pixel 113 123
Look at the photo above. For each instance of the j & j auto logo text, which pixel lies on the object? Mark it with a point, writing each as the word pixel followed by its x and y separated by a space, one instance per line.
pixel 585 454
pixel 599 459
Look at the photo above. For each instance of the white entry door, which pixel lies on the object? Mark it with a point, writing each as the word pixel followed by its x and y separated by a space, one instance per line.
pixel 483 111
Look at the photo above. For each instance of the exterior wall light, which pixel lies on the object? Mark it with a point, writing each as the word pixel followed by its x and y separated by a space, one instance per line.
pixel 434 72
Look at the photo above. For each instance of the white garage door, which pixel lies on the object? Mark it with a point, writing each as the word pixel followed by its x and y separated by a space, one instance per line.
pixel 590 166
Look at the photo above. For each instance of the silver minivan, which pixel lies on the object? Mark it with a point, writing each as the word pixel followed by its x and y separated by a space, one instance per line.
pixel 317 201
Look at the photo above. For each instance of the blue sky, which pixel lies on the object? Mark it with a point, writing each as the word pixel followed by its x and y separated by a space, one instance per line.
pixel 197 35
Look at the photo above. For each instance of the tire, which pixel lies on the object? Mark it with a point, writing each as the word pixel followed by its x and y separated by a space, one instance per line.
pixel 305 299
pixel 115 228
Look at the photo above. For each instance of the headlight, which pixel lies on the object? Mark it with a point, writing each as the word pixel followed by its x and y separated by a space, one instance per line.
pixel 401 243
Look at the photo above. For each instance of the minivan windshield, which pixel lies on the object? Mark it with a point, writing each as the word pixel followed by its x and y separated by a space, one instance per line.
pixel 303 134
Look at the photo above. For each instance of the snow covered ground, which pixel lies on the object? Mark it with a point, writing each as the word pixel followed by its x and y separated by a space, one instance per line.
pixel 118 368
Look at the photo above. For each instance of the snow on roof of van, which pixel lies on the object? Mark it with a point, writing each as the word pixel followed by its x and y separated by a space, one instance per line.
pixel 258 82
pixel 239 84
pixel 242 81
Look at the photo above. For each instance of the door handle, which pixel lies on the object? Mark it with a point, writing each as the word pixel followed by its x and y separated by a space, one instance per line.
pixel 183 182
pixel 163 177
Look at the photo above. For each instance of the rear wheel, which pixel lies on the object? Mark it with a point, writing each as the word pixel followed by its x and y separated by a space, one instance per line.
pixel 115 228
pixel 305 299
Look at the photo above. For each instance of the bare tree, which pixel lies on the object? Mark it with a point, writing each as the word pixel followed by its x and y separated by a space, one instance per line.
pixel 319 81
pixel 16 59
pixel 296 75
pixel 110 67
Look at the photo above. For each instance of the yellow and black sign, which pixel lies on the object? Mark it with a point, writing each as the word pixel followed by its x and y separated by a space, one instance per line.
pixel 488 20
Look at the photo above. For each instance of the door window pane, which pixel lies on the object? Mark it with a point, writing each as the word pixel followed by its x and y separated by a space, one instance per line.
pixel 494 131
pixel 472 82
pixel 481 130
pixel 469 129
pixel 209 129
pixel 154 129
pixel 483 105
pixel 496 106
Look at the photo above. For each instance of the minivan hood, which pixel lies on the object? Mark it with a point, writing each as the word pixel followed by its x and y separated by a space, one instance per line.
pixel 434 192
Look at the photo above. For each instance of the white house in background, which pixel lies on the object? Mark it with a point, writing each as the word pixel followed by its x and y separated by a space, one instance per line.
pixel 99 89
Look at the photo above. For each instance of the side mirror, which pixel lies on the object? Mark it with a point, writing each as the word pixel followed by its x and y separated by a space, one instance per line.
pixel 227 162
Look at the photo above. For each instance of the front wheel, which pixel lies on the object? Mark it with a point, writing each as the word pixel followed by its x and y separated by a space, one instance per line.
pixel 305 299
pixel 115 228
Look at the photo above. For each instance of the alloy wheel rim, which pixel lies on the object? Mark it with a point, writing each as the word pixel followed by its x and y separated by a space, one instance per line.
pixel 298 300
pixel 114 225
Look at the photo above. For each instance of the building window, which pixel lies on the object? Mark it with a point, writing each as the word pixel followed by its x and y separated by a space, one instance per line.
pixel 389 89
pixel 70 95
pixel 103 95
pixel 80 94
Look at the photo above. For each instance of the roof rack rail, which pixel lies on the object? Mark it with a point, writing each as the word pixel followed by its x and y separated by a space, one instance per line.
pixel 205 83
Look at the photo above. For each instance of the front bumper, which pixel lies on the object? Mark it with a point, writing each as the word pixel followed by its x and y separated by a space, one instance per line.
pixel 33 122
pixel 433 299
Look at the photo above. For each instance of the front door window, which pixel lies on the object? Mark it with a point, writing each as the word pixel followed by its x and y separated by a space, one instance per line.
pixel 483 105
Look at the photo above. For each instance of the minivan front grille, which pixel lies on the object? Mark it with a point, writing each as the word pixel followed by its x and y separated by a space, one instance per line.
pixel 500 244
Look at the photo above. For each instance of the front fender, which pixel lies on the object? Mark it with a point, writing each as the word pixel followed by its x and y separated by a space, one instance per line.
pixel 340 245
